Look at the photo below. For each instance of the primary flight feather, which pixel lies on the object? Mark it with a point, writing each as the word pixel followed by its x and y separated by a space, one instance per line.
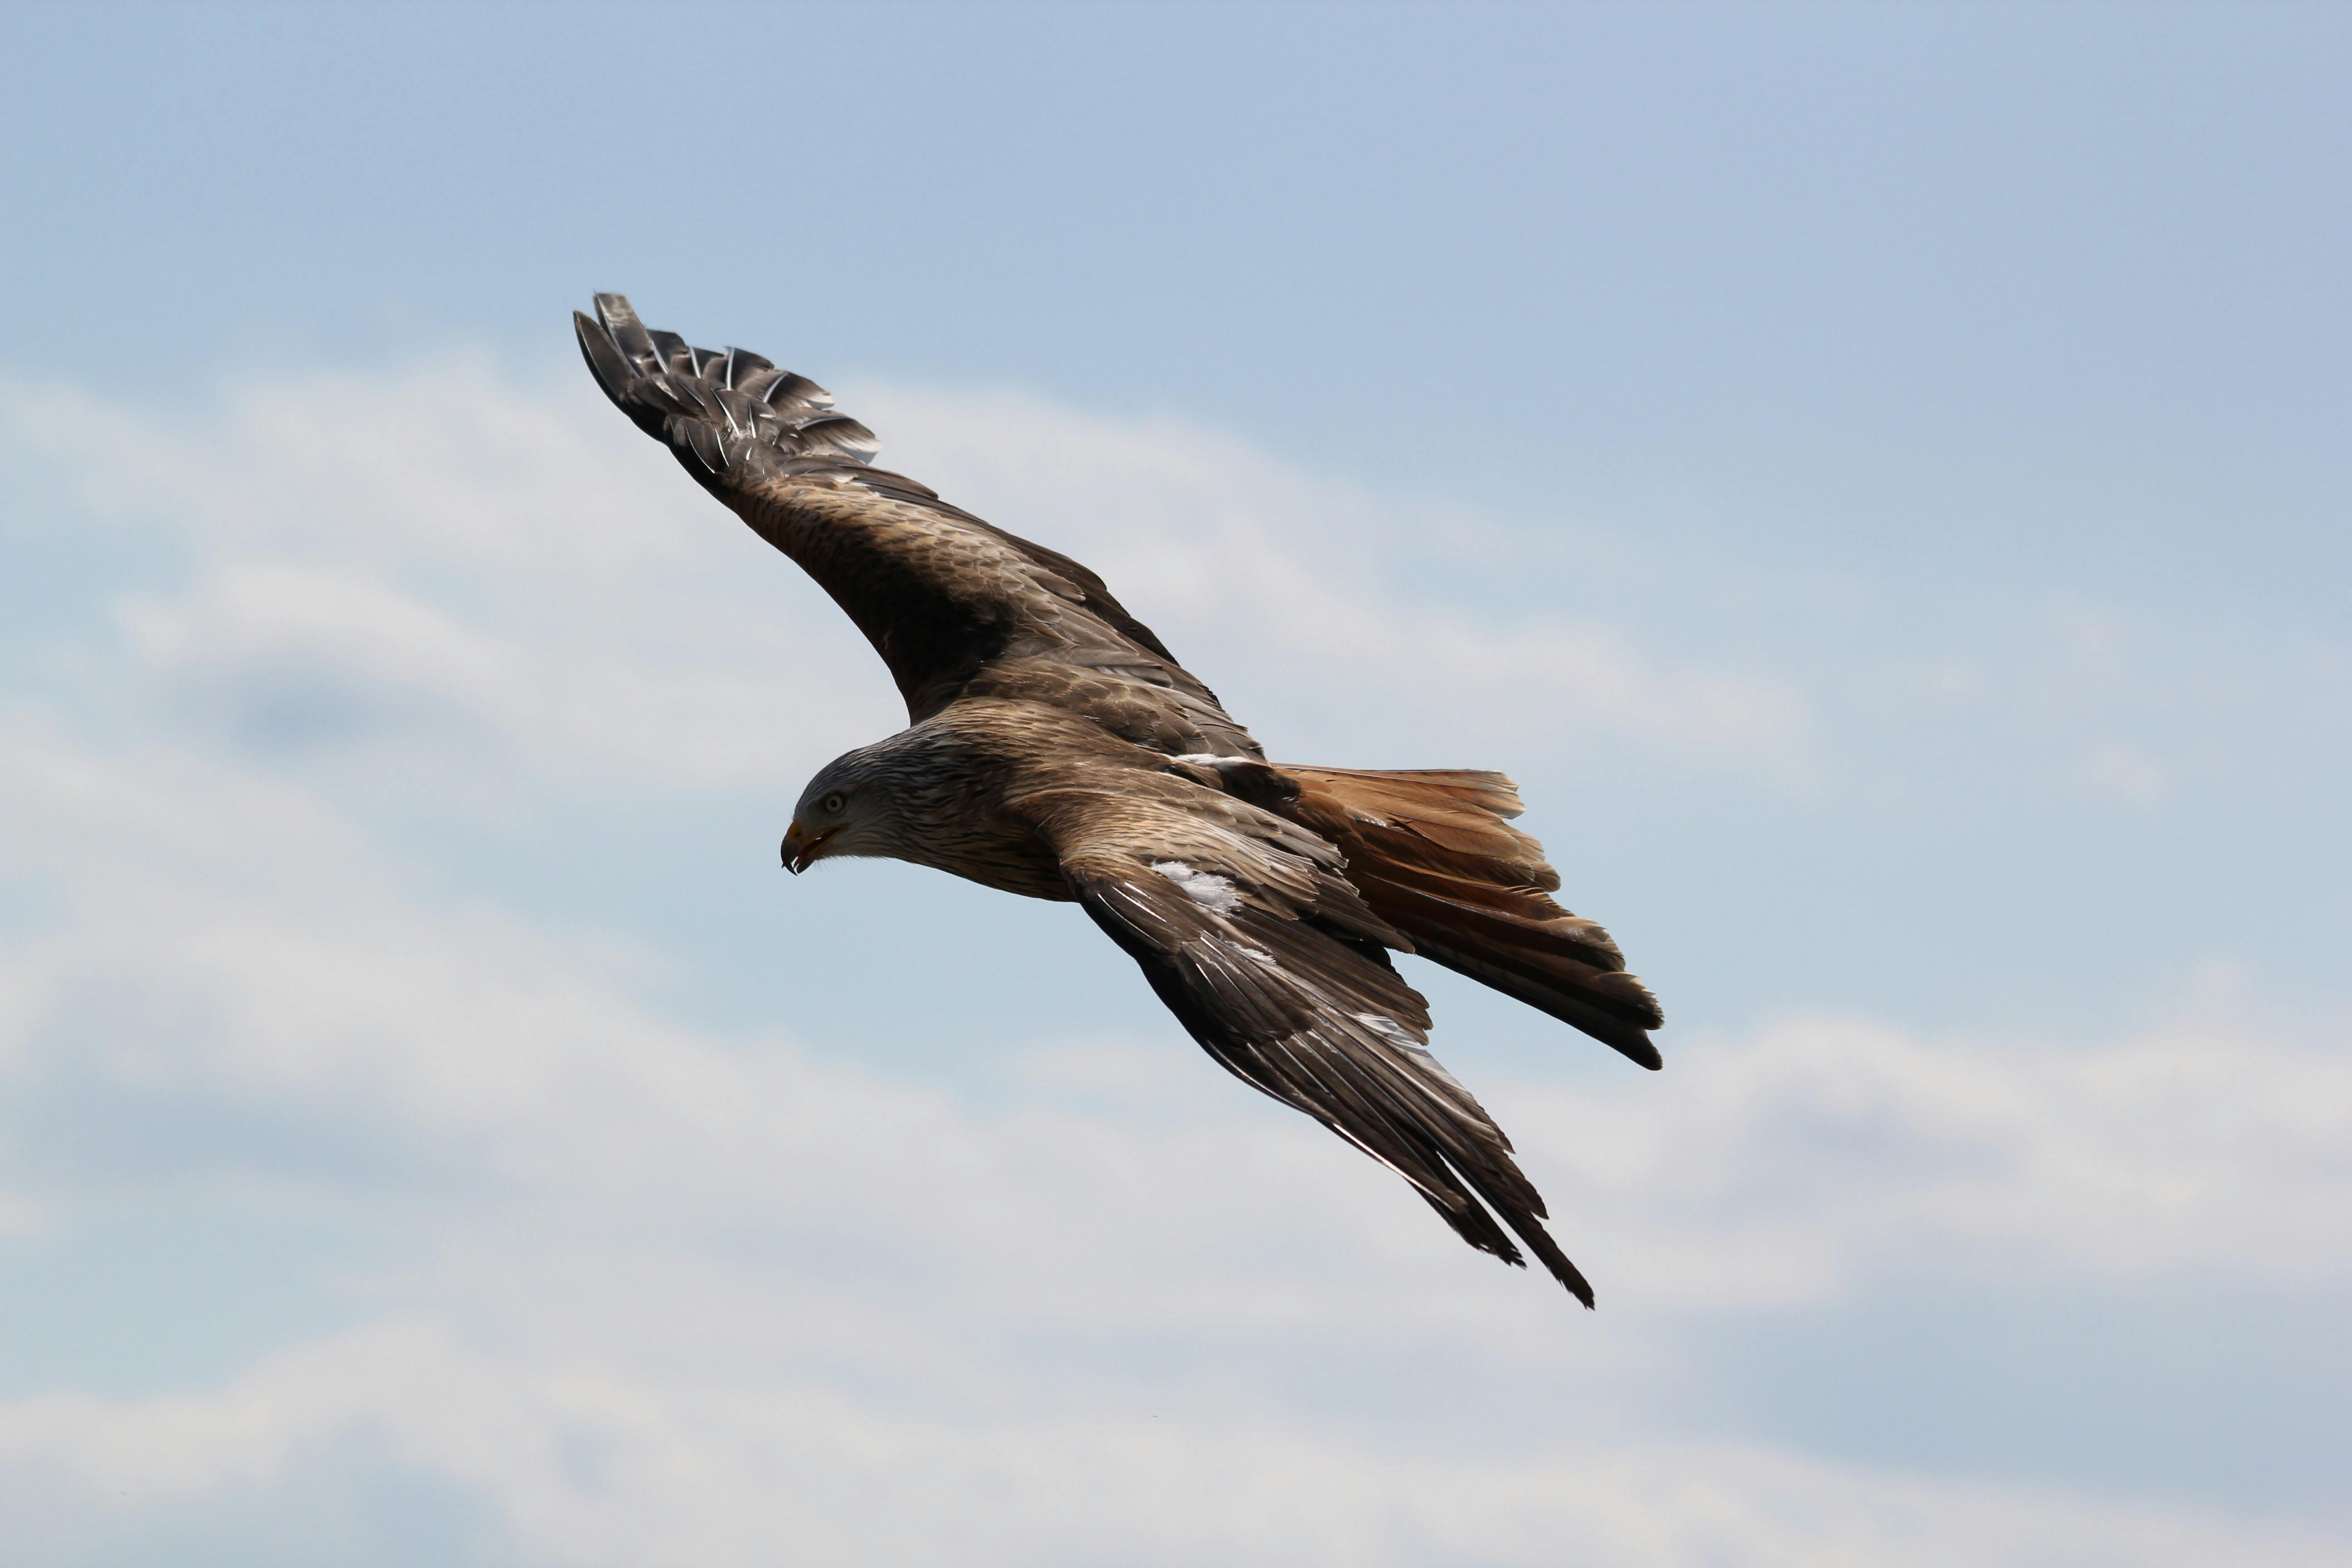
pixel 1057 750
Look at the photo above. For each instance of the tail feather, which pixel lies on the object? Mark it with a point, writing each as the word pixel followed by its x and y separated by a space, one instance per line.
pixel 1447 813
pixel 1432 854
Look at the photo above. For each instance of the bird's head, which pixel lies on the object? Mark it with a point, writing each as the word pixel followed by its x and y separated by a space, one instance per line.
pixel 849 809
pixel 892 800
pixel 911 797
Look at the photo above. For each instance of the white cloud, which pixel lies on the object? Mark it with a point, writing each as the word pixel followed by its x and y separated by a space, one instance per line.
pixel 595 1468
pixel 400 554
pixel 2123 772
pixel 1785 1164
pixel 19 1216
pixel 714 1266
pixel 686 1294
pixel 431 557
pixel 1248 564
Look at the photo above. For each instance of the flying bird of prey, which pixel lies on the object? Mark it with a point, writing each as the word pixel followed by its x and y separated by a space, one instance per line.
pixel 1057 748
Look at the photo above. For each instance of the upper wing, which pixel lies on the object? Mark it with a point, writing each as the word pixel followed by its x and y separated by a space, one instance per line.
pixel 955 606
pixel 1265 953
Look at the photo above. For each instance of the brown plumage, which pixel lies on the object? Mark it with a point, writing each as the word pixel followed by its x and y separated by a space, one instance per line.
pixel 1057 750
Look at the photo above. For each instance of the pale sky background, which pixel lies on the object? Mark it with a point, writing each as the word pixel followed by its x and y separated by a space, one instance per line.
pixel 1876 476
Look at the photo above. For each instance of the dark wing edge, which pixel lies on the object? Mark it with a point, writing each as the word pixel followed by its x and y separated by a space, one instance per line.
pixel 1307 1009
pixel 739 425
pixel 712 408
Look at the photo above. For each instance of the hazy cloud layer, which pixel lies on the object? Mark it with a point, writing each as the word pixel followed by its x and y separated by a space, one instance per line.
pixel 601 1284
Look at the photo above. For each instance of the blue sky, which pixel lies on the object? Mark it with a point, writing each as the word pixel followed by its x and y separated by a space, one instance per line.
pixel 1874 473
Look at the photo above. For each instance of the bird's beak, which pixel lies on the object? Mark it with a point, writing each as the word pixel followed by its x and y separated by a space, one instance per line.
pixel 801 847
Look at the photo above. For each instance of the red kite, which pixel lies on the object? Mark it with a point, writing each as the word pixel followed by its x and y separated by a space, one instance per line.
pixel 1057 748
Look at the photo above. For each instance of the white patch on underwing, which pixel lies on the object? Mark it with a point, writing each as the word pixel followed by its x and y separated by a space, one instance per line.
pixel 1206 888
pixel 1393 1033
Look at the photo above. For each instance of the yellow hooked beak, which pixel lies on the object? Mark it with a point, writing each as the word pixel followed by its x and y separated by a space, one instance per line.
pixel 803 847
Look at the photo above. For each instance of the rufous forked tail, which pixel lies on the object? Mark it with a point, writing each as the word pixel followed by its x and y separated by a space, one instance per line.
pixel 1435 854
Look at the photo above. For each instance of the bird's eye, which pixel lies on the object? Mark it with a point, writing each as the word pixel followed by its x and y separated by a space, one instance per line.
pixel 833 803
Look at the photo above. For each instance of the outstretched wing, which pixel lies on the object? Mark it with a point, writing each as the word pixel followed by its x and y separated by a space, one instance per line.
pixel 955 607
pixel 1248 932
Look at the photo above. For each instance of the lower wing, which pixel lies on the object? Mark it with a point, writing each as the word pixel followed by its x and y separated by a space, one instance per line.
pixel 1270 961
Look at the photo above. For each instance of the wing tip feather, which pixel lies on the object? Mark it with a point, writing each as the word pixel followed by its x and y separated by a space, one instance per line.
pixel 605 361
pixel 648 373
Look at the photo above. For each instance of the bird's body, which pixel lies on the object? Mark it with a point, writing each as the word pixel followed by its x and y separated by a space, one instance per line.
pixel 1057 750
